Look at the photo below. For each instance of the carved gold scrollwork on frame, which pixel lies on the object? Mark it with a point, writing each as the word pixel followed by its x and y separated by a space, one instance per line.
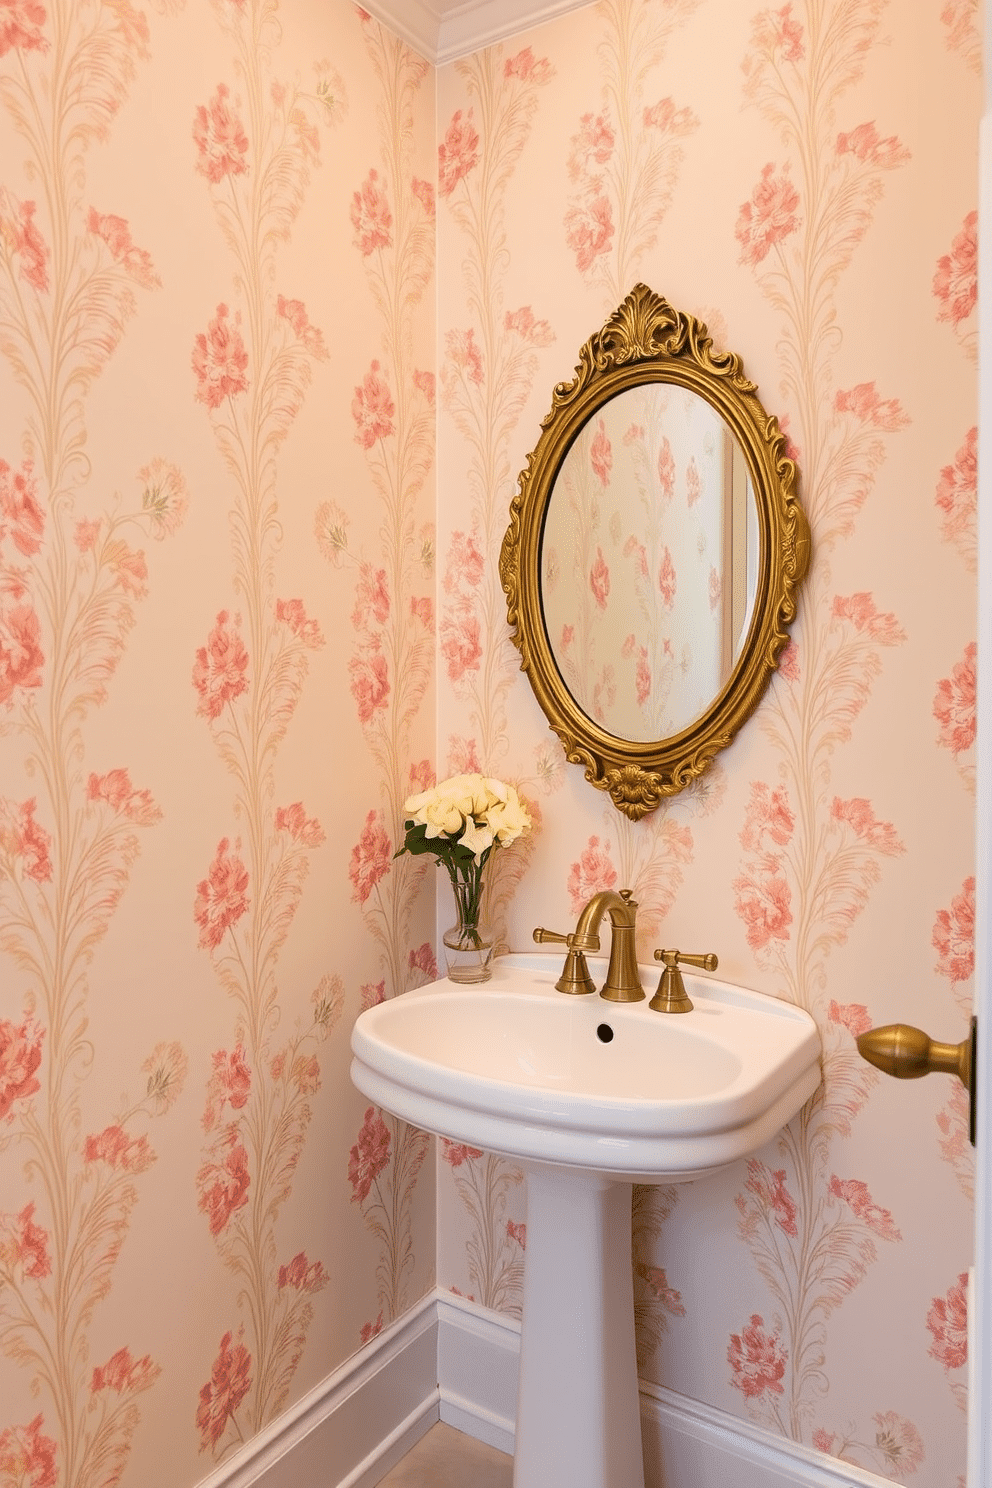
pixel 647 344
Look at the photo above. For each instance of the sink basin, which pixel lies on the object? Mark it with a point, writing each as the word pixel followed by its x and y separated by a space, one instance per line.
pixel 589 1097
pixel 518 1068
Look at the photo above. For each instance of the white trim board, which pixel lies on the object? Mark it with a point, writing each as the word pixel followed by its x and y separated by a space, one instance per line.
pixel 353 1427
pixel 452 1360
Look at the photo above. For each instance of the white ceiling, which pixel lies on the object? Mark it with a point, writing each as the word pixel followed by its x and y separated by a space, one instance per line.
pixel 442 30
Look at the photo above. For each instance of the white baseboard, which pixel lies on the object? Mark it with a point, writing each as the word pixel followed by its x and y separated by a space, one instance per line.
pixel 357 1423
pixel 452 1360
pixel 686 1442
pixel 478 1363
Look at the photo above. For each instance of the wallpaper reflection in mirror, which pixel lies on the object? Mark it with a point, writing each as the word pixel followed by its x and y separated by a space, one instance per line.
pixel 649 562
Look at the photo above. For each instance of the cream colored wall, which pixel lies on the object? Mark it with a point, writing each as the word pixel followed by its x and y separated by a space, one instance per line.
pixel 825 230
pixel 216 655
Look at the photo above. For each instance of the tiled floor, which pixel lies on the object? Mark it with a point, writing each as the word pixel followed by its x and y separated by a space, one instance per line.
pixel 446 1458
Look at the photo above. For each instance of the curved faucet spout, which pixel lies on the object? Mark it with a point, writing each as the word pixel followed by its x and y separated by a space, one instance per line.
pixel 623 982
pixel 622 911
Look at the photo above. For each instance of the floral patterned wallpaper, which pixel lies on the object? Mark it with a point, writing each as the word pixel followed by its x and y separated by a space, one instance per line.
pixel 220 389
pixel 216 455
pixel 803 178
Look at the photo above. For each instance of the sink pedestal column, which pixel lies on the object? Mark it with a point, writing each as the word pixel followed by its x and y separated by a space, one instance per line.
pixel 578 1412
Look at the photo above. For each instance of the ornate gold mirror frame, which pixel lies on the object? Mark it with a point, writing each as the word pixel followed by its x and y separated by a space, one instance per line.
pixel 647 341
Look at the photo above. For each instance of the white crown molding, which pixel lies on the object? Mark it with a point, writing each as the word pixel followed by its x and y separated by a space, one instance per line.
pixel 443 32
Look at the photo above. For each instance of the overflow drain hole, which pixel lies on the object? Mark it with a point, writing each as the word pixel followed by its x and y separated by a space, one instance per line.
pixel 604 1033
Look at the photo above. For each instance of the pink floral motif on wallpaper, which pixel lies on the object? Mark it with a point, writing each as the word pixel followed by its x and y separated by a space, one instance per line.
pixel 24 1245
pixel 955 282
pixel 957 499
pixel 869 148
pixel 954 936
pixel 20 27
pixel 21 236
pixel 20 1061
pixel 460 629
pixel 27 1456
pixel 369 1156
pixel 221 142
pixel 954 703
pixel 371 857
pixel 770 217
pixel 757 1359
pixel 593 871
pixel 26 845
pixel 776 34
pixel 369 685
pixel 458 153
pixel 116 233
pixel 854 1193
pixel 763 897
pixel 221 897
pixel 370 216
pixel 373 409
pixel 768 1190
pixel 223 1183
pixel 947 1322
pixel 220 361
pixel 114 1147
pixel 229 1383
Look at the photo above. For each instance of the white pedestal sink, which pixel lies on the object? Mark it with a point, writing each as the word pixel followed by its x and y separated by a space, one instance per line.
pixel 588 1097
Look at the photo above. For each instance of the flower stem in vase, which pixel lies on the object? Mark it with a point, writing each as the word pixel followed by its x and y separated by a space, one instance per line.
pixel 468 945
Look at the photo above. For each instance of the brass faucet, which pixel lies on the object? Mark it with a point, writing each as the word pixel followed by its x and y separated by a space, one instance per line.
pixel 623 983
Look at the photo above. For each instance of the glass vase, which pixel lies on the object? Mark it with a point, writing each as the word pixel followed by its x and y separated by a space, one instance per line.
pixel 468 945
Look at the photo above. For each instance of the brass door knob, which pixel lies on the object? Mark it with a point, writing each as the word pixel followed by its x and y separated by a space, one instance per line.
pixel 908 1053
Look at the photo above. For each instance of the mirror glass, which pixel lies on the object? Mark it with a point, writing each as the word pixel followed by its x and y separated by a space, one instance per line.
pixel 649 560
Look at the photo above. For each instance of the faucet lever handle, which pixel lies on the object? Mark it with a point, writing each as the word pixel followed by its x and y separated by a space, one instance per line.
pixel 575 975
pixel 708 962
pixel 671 996
pixel 541 935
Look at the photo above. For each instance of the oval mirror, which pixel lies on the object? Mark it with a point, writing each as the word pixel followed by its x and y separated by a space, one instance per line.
pixel 655 548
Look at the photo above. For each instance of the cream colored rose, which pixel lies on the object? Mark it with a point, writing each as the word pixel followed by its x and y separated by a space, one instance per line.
pixel 509 819
pixel 436 813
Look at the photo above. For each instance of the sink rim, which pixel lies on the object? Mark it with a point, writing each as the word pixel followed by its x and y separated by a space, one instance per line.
pixel 660 1139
